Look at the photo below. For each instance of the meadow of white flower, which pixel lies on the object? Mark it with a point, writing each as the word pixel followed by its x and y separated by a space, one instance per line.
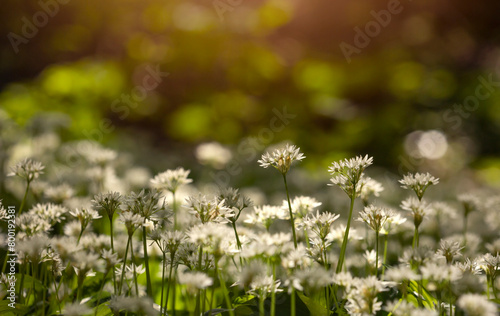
pixel 97 236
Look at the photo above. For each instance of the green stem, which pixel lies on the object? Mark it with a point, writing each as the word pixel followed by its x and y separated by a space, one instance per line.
pixel 291 214
pixel 162 281
pixel 132 258
pixel 24 198
pixel 273 293
pixel 100 292
pixel 169 281
pixel 174 209
pixel 224 289
pixel 414 244
pixel 384 260
pixel 292 302
pixel 346 236
pixel 113 250
pixel 198 295
pixel 44 288
pixel 376 247
pixel 236 234
pixel 149 289
pixel 261 304
pixel 124 264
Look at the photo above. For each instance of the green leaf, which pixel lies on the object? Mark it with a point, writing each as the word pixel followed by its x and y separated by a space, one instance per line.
pixel 428 300
pixel 7 310
pixel 315 307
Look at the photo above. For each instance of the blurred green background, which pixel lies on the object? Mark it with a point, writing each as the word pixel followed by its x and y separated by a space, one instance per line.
pixel 407 97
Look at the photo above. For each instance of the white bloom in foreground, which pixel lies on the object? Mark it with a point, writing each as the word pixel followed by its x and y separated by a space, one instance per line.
pixel 171 180
pixel 263 285
pixel 282 159
pixel 417 207
pixel 320 223
pixel 209 209
pixel 362 296
pixel 375 217
pixel 477 305
pixel 348 173
pixel 418 182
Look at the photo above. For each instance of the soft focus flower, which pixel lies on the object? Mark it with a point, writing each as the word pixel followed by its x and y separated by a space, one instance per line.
pixel 375 217
pixel 27 169
pixel 282 159
pixel 213 154
pixel 302 205
pixel 418 182
pixel 209 209
pixel 418 209
pixel 266 215
pixel 477 305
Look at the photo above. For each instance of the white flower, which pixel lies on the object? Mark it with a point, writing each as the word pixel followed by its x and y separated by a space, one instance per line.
pixel 266 215
pixel 49 212
pixel 213 154
pixel 262 285
pixel 194 281
pixel 375 217
pixel 209 209
pixel 27 169
pixel 76 309
pixel 282 159
pixel 418 182
pixel 418 208
pixel 301 205
pixel 320 223
pixel 171 180
pixel 59 193
pixel 348 173
pixel 368 187
pixel 210 235
pixel 477 305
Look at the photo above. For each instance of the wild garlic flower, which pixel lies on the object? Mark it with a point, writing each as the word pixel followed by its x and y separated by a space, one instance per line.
pixel 469 266
pixel 268 245
pixel 347 173
pixel 418 208
pixel 84 262
pixel 59 193
pixel 312 279
pixel 172 240
pixel 3 212
pixel 375 217
pixel 362 296
pixel 393 221
pixel 418 182
pixel 76 309
pixel 249 272
pixel 302 205
pixel 371 258
pixel 368 187
pixel 27 169
pixel 337 234
pixel 171 180
pixel 320 223
pixel 266 215
pixel 32 224
pixel 449 250
pixel 400 273
pixel 281 159
pixel 233 199
pixel 262 286
pixel 470 202
pixel 108 202
pixel 440 273
pixel 194 281
pixel 404 308
pixel 132 221
pixel 52 213
pixel 146 204
pixel 210 235
pixel 296 258
pixel 111 258
pixel 85 216
pixel 490 264
pixel 477 305
pixel 32 248
pixel 209 209
pixel 141 305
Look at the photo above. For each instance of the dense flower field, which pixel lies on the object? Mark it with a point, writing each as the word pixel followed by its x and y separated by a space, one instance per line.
pixel 97 236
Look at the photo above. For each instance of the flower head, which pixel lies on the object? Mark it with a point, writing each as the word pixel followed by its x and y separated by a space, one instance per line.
pixel 418 182
pixel 171 180
pixel 477 305
pixel 282 159
pixel 302 205
pixel 27 169
pixel 418 209
pixel 375 217
pixel 108 202
pixel 348 173
pixel 209 209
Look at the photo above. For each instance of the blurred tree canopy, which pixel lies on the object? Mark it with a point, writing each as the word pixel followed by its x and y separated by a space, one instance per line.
pixel 186 72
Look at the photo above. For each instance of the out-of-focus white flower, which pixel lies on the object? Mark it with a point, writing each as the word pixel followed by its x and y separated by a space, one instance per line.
pixel 266 215
pixel 477 305
pixel 263 285
pixel 449 250
pixel 301 205
pixel 76 309
pixel 281 159
pixel 171 180
pixel 213 154
pixel 418 182
pixel 209 209
pixel 362 296
pixel 194 281
pixel 320 223
pixel 59 193
pixel 369 187
pixel 27 169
